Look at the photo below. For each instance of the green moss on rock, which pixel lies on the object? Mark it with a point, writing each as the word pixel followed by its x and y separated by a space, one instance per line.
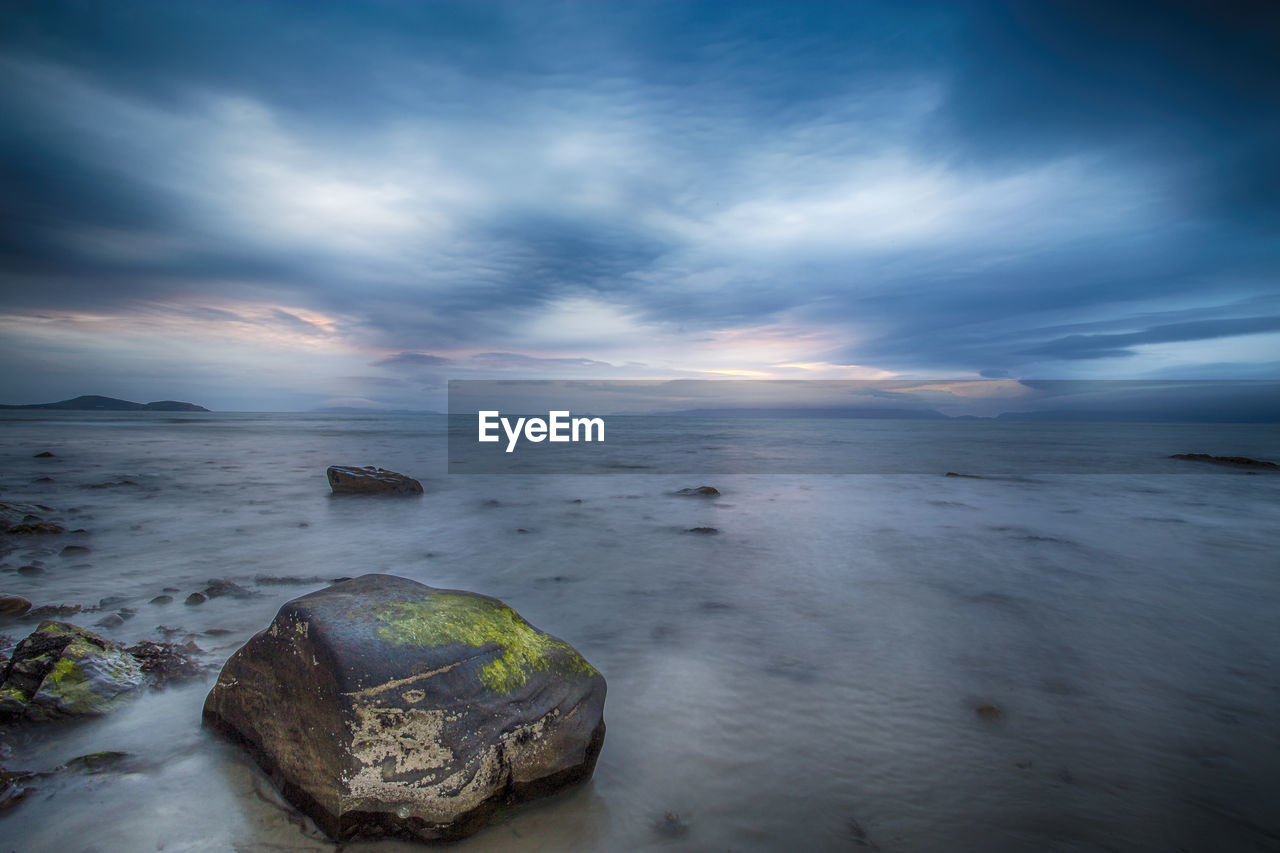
pixel 447 618
pixel 62 669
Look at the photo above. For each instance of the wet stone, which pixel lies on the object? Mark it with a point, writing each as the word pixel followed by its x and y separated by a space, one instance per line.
pixel 431 708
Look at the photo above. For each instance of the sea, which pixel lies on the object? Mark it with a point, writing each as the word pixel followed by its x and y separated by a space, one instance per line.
pixel 1074 648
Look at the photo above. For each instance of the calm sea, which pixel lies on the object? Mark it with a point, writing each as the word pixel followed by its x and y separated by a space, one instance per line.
pixel 806 679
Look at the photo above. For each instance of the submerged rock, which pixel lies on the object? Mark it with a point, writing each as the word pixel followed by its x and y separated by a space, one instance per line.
pixel 14 786
pixel 1230 461
pixel 97 762
pixel 17 519
pixel 218 587
pixel 63 670
pixel 700 492
pixel 989 711
pixel 167 662
pixel 47 611
pixel 381 706
pixel 348 480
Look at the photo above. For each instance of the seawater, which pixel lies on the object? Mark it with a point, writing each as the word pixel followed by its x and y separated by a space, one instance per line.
pixel 806 679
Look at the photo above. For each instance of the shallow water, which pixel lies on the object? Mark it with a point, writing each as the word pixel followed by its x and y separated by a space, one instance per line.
pixel 807 679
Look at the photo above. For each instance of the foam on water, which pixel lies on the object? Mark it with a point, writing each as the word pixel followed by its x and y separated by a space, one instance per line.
pixel 807 679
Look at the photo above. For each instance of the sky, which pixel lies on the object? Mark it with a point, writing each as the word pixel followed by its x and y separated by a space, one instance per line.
pixel 288 205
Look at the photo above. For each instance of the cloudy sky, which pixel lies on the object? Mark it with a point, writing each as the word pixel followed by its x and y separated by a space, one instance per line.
pixel 281 206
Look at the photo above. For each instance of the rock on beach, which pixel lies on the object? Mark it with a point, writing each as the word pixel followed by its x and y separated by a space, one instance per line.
pixel 62 670
pixel 384 707
pixel 351 480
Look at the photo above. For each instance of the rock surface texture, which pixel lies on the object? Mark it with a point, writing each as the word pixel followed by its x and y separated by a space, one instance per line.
pixel 383 707
pixel 63 670
pixel 349 480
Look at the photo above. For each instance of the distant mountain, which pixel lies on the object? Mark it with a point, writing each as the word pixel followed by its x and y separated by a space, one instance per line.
pixel 845 412
pixel 94 403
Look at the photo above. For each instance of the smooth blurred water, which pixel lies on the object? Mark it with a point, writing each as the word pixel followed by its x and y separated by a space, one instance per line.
pixel 805 680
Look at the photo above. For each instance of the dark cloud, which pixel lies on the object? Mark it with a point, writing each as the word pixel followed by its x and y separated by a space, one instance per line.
pixel 1110 346
pixel 949 188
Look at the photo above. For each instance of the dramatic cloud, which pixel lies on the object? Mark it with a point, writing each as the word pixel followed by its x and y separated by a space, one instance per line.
pixel 808 190
pixel 1113 346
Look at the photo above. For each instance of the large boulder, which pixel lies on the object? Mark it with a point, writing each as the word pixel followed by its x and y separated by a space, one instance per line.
pixel 63 670
pixel 381 706
pixel 349 480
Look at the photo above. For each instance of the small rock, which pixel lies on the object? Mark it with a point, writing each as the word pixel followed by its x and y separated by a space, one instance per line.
pixel 30 570
pixel 859 835
pixel 75 549
pixel 966 476
pixel 112 620
pixel 287 580
pixel 96 762
pixel 63 670
pixel 167 662
pixel 43 480
pixel 218 587
pixel 13 787
pixel 47 611
pixel 349 480
pixel 36 527
pixel 194 599
pixel 162 599
pixel 14 606
pixel 111 601
pixel 989 712
pixel 670 825
pixel 700 492
pixel 706 531
pixel 44 454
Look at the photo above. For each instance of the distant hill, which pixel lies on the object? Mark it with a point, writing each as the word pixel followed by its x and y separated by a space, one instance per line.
pixel 94 403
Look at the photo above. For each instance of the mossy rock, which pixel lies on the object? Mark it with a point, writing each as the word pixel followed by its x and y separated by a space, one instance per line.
pixel 62 670
pixel 384 707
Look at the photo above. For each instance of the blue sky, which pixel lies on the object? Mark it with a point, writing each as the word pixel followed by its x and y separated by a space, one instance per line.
pixel 289 205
